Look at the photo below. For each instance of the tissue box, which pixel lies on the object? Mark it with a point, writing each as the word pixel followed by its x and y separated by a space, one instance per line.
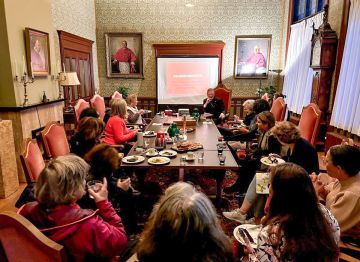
pixel 189 123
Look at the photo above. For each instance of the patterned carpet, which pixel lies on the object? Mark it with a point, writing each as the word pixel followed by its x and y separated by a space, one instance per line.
pixel 205 182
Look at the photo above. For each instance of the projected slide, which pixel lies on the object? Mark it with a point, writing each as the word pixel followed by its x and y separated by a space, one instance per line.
pixel 185 80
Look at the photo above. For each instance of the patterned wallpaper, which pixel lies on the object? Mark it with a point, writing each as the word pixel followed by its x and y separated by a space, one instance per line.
pixel 76 17
pixel 169 21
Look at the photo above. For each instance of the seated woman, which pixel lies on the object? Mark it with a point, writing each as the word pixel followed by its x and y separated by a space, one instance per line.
pixel 87 136
pixel 116 131
pixel 134 114
pixel 299 151
pixel 184 227
pixel 86 234
pixel 105 162
pixel 342 196
pixel 267 143
pixel 297 227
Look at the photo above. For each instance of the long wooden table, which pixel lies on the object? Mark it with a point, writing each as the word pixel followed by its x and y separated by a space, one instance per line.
pixel 207 134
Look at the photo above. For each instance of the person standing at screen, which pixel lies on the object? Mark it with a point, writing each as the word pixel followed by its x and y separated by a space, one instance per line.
pixel 214 106
pixel 126 59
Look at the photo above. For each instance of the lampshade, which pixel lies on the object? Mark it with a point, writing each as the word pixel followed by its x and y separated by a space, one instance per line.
pixel 69 79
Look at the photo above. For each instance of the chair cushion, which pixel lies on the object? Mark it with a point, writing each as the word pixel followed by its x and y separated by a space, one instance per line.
pixel 56 141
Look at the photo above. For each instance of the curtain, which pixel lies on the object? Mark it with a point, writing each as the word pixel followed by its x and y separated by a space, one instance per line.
pixel 298 74
pixel 346 110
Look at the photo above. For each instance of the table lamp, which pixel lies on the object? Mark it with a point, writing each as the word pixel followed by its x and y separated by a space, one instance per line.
pixel 69 79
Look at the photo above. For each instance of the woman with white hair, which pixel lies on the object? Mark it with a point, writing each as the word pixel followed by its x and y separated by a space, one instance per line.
pixel 184 227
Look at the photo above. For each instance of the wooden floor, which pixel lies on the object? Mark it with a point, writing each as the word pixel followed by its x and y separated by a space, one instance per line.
pixel 8 204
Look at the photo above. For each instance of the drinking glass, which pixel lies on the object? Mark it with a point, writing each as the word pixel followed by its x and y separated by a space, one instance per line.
pixel 182 160
pixel 201 156
pixel 220 149
pixel 95 185
pixel 222 159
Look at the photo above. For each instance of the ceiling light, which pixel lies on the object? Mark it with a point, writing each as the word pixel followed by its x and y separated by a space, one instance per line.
pixel 189 5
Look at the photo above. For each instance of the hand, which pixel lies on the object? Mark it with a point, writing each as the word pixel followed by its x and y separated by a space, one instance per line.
pixel 141 111
pixel 222 116
pixel 347 141
pixel 121 155
pixel 115 61
pixel 124 184
pixel 132 68
pixel 313 177
pixel 236 119
pixel 102 194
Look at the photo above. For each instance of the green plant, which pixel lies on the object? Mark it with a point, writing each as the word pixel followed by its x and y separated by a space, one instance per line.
pixel 124 91
pixel 271 90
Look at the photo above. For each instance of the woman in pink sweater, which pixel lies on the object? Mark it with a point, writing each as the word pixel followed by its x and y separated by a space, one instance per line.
pixel 116 131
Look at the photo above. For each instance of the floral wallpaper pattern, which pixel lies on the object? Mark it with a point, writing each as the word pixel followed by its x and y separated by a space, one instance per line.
pixel 76 17
pixel 169 21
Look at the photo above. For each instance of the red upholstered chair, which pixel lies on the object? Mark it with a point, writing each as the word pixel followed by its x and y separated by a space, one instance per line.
pixel 32 160
pixel 225 94
pixel 55 141
pixel 309 123
pixel 81 104
pixel 22 241
pixel 116 95
pixel 98 103
pixel 278 109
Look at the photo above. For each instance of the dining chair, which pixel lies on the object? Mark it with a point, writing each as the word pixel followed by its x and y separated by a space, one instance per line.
pixel 309 123
pixel 98 103
pixel 55 141
pixel 221 91
pixel 32 160
pixel 20 240
pixel 80 105
pixel 116 95
pixel 278 109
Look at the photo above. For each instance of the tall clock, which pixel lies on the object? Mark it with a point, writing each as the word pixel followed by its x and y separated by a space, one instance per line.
pixel 323 55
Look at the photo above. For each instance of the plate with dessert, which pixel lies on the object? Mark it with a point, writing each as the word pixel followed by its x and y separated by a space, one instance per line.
pixel 135 159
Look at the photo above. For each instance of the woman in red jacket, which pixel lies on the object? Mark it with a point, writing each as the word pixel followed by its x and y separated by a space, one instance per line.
pixel 86 234
pixel 116 131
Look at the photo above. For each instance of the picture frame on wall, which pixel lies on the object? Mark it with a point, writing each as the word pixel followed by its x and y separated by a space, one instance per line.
pixel 37 52
pixel 252 56
pixel 124 55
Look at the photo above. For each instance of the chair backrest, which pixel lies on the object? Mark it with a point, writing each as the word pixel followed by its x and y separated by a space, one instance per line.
pixel 116 95
pixel 225 94
pixel 32 160
pixel 98 103
pixel 22 241
pixel 309 123
pixel 55 141
pixel 80 105
pixel 278 109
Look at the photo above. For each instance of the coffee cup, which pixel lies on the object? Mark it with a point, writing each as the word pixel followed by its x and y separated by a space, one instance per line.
pixel 152 151
pixel 190 155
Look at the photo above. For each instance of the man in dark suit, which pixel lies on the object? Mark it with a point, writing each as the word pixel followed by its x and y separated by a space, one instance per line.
pixel 214 106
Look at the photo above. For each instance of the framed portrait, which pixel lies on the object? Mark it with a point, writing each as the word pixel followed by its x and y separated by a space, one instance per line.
pixel 37 52
pixel 252 56
pixel 124 55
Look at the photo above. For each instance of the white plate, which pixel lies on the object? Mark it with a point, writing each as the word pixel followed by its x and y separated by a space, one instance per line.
pixel 159 160
pixel 147 111
pixel 266 161
pixel 135 159
pixel 168 153
pixel 149 133
pixel 151 154
pixel 253 230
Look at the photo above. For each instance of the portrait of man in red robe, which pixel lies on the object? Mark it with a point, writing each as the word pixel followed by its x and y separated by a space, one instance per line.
pixel 125 59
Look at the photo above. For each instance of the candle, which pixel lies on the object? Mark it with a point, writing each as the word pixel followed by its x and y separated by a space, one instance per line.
pixel 32 73
pixel 57 66
pixel 16 70
pixel 64 68
pixel 23 65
